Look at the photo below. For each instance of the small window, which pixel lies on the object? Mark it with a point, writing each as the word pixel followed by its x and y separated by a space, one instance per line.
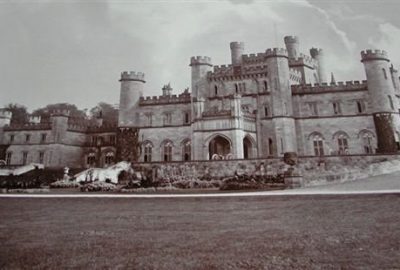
pixel 41 157
pixel 91 159
pixel 8 158
pixel 360 106
pixel 94 140
pixel 12 136
pixel 148 148
pixel 313 108
pixel 270 147
pixel 27 137
pixel 186 118
pixel 343 147
pixel 367 142
pixel 384 73
pixel 391 102
pixel 149 119
pixel 216 90
pixel 43 137
pixel 109 158
pixel 265 86
pixel 112 139
pixel 167 151
pixel 266 111
pixel 167 119
pixel 336 108
pixel 236 88
pixel 186 153
pixel 24 158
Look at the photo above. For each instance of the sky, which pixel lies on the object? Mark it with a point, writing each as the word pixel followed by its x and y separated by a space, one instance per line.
pixel 74 51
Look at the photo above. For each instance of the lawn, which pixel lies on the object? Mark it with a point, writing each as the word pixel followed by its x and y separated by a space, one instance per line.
pixel 283 232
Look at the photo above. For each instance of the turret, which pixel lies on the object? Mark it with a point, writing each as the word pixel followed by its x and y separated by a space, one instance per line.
pixel 382 97
pixel 318 55
pixel 281 100
pixel 59 124
pixel 200 66
pixel 131 90
pixel 5 117
pixel 292 46
pixel 166 90
pixel 395 79
pixel 237 49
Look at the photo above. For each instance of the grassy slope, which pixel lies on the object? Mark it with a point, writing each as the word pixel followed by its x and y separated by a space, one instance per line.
pixel 319 232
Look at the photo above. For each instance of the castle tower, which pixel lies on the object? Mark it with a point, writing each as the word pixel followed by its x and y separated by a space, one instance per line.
pixel 200 66
pixel 292 46
pixel 166 90
pixel 5 118
pixel 237 49
pixel 281 100
pixel 59 124
pixel 382 98
pixel 131 90
pixel 318 55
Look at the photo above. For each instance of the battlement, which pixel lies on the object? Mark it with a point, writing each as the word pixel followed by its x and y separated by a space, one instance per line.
pixel 303 60
pixel 324 87
pixel 185 97
pixel 132 76
pixel 315 52
pixel 60 112
pixel 223 70
pixel 16 127
pixel 291 39
pixel 253 58
pixel 200 60
pixel 255 69
pixel 237 45
pixel 276 52
pixel 34 119
pixel 5 114
pixel 369 55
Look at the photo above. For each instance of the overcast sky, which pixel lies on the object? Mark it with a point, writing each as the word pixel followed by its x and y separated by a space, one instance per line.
pixel 74 51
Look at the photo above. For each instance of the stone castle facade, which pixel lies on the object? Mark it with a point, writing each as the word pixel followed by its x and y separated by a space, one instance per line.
pixel 261 105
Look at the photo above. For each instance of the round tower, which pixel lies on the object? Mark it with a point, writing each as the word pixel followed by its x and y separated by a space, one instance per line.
pixel 237 49
pixel 281 100
pixel 318 55
pixel 200 65
pixel 292 46
pixel 382 97
pixel 131 90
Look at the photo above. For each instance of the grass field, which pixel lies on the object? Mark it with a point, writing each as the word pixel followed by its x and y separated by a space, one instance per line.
pixel 296 232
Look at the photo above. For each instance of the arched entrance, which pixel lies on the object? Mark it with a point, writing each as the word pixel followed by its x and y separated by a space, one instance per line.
pixel 247 148
pixel 219 146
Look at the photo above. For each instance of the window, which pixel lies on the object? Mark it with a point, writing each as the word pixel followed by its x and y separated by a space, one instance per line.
pixel 216 90
pixel 186 151
pixel 367 142
pixel 91 159
pixel 343 147
pixel 27 137
pixel 384 73
pixel 41 157
pixel 12 136
pixel 391 102
pixel 360 106
pixel 8 158
pixel 318 144
pixel 236 88
pixel 112 139
pixel 94 140
pixel 266 111
pixel 109 158
pixel 24 157
pixel 312 106
pixel 265 86
pixel 167 119
pixel 186 118
pixel 43 138
pixel 167 151
pixel 147 152
pixel 270 147
pixel 149 119
pixel 336 108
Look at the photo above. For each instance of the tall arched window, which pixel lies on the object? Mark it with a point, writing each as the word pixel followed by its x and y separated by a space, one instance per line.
pixel 167 151
pixel 343 146
pixel 236 88
pixel 384 73
pixel 391 102
pixel 91 159
pixel 186 151
pixel 109 158
pixel 216 90
pixel 367 143
pixel 318 144
pixel 148 149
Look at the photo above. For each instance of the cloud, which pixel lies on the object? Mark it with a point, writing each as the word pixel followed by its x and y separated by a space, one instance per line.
pixel 389 40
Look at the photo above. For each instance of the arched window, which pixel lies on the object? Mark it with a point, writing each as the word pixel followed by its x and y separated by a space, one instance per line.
pixel 91 159
pixel 367 143
pixel 148 149
pixel 266 111
pixel 186 151
pixel 318 144
pixel 384 73
pixel 360 106
pixel 8 158
pixel 109 158
pixel 236 88
pixel 391 102
pixel 343 146
pixel 167 151
pixel 186 118
pixel 270 147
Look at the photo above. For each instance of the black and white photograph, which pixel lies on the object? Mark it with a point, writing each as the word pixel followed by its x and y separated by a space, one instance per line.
pixel 210 134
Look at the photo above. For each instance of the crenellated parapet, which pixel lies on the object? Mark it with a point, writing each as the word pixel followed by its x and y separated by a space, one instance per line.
pixel 132 76
pixel 324 87
pixel 164 100
pixel 15 127
pixel 5 114
pixel 255 69
pixel 303 60
pixel 200 60
pixel 253 58
pixel 369 55
pixel 276 52
pixel 60 112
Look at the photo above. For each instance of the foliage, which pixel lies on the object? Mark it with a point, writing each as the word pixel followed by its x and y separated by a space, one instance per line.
pixel 106 111
pixel 98 186
pixel 45 112
pixel 64 184
pixel 19 113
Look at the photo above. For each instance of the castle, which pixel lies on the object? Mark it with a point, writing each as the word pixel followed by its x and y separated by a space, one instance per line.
pixel 259 106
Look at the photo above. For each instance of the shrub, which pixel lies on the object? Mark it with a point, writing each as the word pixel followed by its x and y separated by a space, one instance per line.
pixel 98 186
pixel 64 184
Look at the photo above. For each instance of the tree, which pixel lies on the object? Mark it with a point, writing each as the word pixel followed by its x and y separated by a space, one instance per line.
pixel 45 112
pixel 107 112
pixel 19 113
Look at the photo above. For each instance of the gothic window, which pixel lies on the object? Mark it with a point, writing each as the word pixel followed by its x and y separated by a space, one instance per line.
pixel 167 151
pixel 384 73
pixel 148 149
pixel 186 151
pixel 367 142
pixel 8 158
pixel 336 108
pixel 24 157
pixel 343 147
pixel 391 102
pixel 91 159
pixel 12 136
pixel 360 106
pixel 109 158
pixel 318 144
pixel 41 157
pixel 167 118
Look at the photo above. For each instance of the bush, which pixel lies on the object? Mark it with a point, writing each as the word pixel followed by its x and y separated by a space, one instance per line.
pixel 64 184
pixel 98 186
